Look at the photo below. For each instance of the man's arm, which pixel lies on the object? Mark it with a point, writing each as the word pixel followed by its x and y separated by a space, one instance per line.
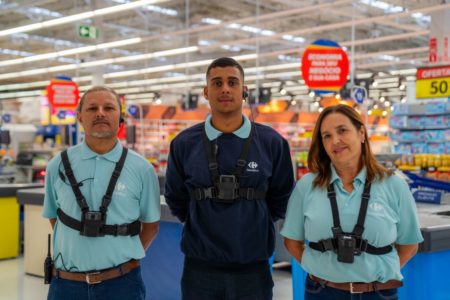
pixel 295 248
pixel 148 233
pixel 52 222
pixel 406 252
pixel 176 194
pixel 282 181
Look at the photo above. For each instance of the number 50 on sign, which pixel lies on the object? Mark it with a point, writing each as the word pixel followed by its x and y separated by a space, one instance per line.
pixel 433 88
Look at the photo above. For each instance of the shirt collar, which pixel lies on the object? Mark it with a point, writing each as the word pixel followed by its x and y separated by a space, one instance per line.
pixel 242 132
pixel 113 155
pixel 361 177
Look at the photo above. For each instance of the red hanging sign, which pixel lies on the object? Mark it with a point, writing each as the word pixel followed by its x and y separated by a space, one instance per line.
pixel 62 93
pixel 325 66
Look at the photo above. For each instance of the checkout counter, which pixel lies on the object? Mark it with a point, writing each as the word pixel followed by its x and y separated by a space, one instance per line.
pixel 10 218
pixel 425 276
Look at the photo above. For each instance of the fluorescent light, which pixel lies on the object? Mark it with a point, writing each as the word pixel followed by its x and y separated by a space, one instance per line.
pixel 81 16
pixel 404 72
pixel 70 52
pixel 127 6
pixel 119 43
pixel 211 21
pixel 22 86
pixel 20 94
pixel 113 60
pixel 68 19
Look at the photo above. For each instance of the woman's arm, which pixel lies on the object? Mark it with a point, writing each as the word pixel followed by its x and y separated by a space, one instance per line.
pixel 295 248
pixel 406 252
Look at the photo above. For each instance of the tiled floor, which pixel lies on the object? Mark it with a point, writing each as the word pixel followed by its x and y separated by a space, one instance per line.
pixel 15 285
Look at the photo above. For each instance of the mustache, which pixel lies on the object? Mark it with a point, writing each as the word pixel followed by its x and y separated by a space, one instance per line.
pixel 100 122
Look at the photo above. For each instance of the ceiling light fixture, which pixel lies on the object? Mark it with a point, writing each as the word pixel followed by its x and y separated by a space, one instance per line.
pixel 77 17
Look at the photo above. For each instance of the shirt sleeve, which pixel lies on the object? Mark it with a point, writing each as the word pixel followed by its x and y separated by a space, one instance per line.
pixel 176 194
pixel 150 204
pixel 293 227
pixel 282 181
pixel 408 228
pixel 50 206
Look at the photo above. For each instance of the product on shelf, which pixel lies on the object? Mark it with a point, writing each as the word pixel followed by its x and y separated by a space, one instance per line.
pixel 435 166
pixel 421 127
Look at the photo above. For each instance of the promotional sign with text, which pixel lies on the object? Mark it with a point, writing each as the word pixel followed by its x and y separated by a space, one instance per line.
pixel 325 66
pixel 439 50
pixel 63 93
pixel 433 82
pixel 63 97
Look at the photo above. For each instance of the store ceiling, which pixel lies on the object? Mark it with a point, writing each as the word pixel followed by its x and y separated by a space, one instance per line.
pixel 391 37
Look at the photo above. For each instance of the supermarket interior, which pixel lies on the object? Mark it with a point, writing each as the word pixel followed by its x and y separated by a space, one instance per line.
pixel 390 60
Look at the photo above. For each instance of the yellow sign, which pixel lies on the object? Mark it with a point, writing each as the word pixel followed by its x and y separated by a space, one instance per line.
pixel 433 88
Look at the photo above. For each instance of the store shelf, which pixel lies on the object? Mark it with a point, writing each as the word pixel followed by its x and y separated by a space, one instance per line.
pixel 421 127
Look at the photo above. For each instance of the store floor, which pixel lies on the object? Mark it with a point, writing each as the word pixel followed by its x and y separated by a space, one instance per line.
pixel 15 285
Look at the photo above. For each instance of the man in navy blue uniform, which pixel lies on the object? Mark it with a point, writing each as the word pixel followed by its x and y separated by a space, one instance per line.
pixel 228 180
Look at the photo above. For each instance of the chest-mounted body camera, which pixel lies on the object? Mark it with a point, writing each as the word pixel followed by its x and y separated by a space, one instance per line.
pixel 346 248
pixel 92 223
pixel 227 188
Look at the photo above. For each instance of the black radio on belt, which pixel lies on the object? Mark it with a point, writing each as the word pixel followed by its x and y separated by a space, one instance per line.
pixel 48 264
pixel 92 223
pixel 228 188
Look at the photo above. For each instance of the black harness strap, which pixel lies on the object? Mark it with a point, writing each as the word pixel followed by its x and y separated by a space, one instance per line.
pixel 361 244
pixel 334 210
pixel 212 161
pixel 212 157
pixel 122 230
pixel 213 192
pixel 132 229
pixel 112 182
pixel 73 182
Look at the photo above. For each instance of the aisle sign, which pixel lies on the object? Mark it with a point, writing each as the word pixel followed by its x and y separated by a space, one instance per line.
pixel 6 118
pixel 61 114
pixel 325 66
pixel 433 82
pixel 133 110
pixel 359 94
pixel 62 93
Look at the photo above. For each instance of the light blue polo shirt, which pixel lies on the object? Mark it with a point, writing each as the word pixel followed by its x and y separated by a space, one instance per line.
pixel 136 196
pixel 391 218
pixel 243 132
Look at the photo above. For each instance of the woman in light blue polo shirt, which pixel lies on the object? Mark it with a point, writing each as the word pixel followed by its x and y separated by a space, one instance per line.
pixel 359 219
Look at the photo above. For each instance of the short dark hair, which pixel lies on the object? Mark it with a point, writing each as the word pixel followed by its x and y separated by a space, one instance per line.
pixel 99 88
pixel 223 62
pixel 319 161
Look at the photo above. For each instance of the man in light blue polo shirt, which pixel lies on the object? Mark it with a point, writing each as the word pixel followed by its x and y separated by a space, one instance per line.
pixel 103 224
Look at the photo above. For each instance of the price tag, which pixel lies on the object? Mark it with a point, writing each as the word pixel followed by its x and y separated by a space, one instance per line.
pixel 433 88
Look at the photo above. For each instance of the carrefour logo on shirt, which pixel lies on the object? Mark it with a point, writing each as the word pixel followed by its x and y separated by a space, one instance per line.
pixel 376 209
pixel 252 167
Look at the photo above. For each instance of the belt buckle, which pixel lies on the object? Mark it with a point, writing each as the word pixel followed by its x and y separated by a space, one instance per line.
pixel 88 278
pixel 352 289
